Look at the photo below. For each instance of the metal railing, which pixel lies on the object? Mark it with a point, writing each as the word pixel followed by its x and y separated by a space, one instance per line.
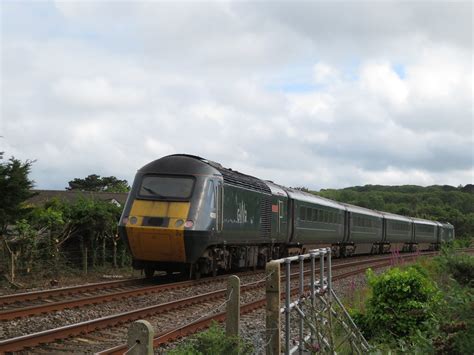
pixel 322 322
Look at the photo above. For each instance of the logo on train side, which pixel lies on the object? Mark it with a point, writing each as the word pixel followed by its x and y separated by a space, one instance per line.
pixel 241 213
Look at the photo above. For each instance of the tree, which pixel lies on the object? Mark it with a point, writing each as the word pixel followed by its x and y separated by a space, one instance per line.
pixel 15 189
pixel 94 223
pixel 94 182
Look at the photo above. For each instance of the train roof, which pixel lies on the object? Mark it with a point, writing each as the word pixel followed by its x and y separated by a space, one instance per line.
pixel 424 221
pixel 230 176
pixel 276 189
pixel 396 217
pixel 308 197
pixel 179 164
pixel 446 225
pixel 362 210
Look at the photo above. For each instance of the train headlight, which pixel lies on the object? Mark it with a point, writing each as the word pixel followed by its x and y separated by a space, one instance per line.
pixel 125 221
pixel 179 223
pixel 133 220
pixel 189 223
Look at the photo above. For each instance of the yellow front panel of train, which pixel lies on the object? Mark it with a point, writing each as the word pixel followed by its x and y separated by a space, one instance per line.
pixel 158 243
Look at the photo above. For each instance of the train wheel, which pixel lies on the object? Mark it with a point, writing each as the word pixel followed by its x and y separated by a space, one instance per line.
pixel 149 272
pixel 214 265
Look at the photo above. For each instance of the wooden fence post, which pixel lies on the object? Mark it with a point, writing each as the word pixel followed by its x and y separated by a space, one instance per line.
pixel 273 325
pixel 140 338
pixel 233 306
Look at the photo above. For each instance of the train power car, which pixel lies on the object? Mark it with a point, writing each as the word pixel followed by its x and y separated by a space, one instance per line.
pixel 188 214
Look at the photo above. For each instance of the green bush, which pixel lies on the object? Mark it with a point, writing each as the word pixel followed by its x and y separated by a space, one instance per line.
pixel 401 302
pixel 463 242
pixel 213 342
pixel 409 314
pixel 362 322
pixel 461 266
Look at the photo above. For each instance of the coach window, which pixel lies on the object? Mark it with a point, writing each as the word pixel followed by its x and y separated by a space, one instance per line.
pixel 302 213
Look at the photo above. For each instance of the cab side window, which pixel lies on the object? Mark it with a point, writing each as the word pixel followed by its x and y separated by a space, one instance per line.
pixel 211 196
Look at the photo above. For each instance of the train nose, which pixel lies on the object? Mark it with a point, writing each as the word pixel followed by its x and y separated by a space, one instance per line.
pixel 155 230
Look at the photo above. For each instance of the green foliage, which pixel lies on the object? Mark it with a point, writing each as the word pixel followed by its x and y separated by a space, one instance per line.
pixel 460 266
pixel 452 328
pixel 46 239
pixel 401 302
pixel 409 314
pixel 442 203
pixel 462 242
pixel 91 216
pixel 15 189
pixel 213 342
pixel 94 182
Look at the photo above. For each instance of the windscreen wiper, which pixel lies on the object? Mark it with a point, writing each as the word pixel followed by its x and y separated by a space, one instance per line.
pixel 153 192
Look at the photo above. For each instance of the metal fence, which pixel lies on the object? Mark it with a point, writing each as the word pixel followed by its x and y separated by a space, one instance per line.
pixel 315 320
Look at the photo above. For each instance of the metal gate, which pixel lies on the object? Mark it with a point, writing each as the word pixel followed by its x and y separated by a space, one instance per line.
pixel 315 320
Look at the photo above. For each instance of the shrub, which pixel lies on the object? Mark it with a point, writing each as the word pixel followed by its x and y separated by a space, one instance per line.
pixel 461 266
pixel 401 302
pixel 213 342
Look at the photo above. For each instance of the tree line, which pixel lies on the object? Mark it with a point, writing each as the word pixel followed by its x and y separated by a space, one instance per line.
pixel 58 235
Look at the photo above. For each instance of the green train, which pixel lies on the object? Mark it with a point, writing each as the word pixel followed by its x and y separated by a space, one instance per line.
pixel 192 215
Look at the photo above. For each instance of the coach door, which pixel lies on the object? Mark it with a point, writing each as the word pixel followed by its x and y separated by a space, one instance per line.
pixel 219 193
pixel 282 218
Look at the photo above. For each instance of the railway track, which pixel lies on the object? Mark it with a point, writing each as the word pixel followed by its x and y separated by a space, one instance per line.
pixel 47 301
pixel 141 287
pixel 65 291
pixel 31 340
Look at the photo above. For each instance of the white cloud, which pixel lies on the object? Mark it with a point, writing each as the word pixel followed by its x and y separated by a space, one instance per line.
pixel 315 94
pixel 325 74
pixel 380 81
pixel 96 92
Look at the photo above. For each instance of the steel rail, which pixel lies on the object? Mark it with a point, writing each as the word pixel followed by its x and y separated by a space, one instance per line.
pixel 35 295
pixel 83 301
pixel 19 343
pixel 28 296
pixel 13 313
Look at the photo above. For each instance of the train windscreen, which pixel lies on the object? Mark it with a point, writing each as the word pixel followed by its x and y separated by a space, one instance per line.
pixel 166 187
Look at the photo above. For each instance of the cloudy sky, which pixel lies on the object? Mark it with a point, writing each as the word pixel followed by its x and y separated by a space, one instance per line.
pixel 315 94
